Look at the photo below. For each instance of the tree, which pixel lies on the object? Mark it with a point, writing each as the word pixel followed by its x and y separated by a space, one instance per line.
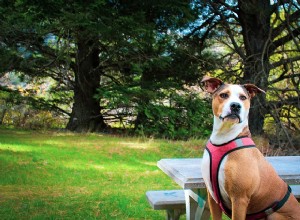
pixel 85 44
pixel 106 55
pixel 255 33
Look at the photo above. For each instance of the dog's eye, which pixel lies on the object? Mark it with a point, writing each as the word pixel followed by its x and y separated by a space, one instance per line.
pixel 224 95
pixel 242 97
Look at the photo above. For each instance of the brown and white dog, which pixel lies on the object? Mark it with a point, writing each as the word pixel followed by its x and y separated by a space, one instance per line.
pixel 247 183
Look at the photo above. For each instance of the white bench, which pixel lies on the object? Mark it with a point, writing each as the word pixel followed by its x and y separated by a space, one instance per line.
pixel 173 201
pixel 296 191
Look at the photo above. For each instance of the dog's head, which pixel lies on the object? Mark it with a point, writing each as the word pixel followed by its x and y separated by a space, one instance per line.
pixel 231 102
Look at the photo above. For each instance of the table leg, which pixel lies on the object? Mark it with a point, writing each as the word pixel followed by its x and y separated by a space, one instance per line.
pixel 196 205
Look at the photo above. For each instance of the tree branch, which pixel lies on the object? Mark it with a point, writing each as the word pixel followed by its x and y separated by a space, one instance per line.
pixel 295 101
pixel 229 32
pixel 208 22
pixel 285 39
pixel 284 61
pixel 227 6
pixel 278 30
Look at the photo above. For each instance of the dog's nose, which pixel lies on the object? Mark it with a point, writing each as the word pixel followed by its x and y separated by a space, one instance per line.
pixel 235 107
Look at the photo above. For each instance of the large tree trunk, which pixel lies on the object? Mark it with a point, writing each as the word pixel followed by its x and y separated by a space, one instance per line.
pixel 254 17
pixel 86 115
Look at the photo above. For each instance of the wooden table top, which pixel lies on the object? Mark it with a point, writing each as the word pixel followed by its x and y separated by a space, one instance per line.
pixel 187 171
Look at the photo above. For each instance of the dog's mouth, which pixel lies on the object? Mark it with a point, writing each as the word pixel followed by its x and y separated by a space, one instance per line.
pixel 231 117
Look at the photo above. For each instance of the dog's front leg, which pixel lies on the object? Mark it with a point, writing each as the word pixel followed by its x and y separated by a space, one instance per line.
pixel 215 209
pixel 239 208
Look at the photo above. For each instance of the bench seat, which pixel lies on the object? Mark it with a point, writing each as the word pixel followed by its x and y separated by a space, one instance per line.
pixel 296 191
pixel 173 201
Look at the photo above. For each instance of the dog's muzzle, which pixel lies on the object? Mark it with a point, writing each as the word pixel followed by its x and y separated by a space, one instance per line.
pixel 235 109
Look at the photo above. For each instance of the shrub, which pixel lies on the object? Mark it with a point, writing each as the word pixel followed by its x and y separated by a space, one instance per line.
pixel 185 116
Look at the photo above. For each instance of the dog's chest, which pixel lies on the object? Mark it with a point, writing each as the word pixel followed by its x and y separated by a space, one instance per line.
pixel 206 173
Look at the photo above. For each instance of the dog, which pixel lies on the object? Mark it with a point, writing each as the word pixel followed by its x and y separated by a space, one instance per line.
pixel 239 180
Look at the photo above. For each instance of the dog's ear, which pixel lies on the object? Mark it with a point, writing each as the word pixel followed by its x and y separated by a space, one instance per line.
pixel 253 90
pixel 211 84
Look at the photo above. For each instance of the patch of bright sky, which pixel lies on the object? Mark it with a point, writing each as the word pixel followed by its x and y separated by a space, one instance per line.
pixel 50 39
pixel 203 15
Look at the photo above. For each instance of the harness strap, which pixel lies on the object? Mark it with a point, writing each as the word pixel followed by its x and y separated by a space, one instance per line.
pixel 275 207
pixel 217 154
pixel 284 200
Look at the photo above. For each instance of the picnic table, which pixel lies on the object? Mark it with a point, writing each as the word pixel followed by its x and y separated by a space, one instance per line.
pixel 187 174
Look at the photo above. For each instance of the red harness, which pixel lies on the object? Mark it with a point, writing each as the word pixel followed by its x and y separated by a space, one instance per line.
pixel 217 154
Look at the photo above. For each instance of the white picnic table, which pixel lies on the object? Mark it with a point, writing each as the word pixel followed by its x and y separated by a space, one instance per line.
pixel 186 172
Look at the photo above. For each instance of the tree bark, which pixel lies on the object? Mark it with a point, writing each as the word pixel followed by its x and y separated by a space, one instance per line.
pixel 255 18
pixel 86 112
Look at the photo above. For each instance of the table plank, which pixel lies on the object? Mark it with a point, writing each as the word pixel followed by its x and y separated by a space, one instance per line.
pixel 187 172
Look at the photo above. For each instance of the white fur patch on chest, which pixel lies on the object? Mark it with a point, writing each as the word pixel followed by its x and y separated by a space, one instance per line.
pixel 205 169
pixel 221 180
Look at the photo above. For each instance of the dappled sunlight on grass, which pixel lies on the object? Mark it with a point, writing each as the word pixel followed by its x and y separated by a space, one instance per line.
pixel 82 176
pixel 136 145
pixel 16 147
pixel 80 165
pixel 97 167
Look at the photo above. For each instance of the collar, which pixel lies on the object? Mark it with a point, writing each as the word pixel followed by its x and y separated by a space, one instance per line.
pixel 239 142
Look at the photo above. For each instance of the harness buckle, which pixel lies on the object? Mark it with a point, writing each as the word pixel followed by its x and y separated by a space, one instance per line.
pixel 269 211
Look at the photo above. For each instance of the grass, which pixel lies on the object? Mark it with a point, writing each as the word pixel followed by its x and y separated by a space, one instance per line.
pixel 57 175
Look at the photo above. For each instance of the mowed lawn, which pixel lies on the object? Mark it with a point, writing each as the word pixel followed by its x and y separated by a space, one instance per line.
pixel 60 175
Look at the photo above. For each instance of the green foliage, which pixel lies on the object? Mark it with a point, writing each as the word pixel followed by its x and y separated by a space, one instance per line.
pixel 133 43
pixel 43 120
pixel 21 111
pixel 24 117
pixel 140 52
pixel 182 116
pixel 153 111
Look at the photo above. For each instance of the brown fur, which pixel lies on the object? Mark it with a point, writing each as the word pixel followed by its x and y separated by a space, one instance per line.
pixel 253 185
pixel 251 182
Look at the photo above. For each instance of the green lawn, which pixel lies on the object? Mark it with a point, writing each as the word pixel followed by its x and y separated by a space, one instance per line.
pixel 52 175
